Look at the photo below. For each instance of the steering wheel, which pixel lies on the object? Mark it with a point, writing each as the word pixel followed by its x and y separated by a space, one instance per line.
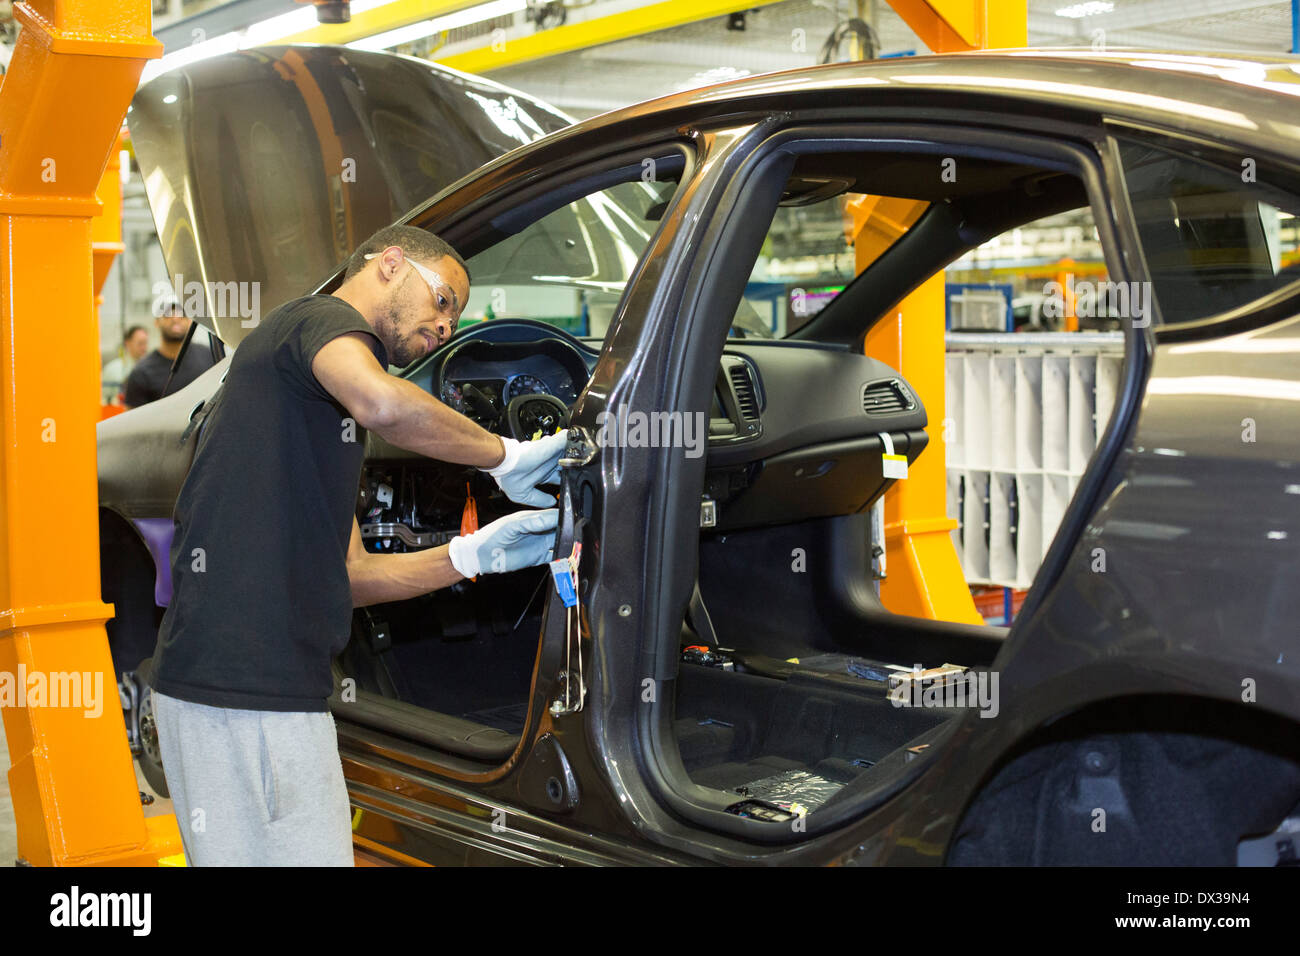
pixel 503 340
pixel 528 414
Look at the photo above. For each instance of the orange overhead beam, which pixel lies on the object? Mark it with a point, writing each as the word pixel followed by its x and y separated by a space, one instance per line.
pixel 954 26
pixel 74 69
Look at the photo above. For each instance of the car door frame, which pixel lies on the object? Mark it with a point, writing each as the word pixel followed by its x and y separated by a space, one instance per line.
pixel 640 737
pixel 483 796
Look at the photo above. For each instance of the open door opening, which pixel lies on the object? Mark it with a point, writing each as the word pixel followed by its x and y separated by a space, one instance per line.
pixel 799 699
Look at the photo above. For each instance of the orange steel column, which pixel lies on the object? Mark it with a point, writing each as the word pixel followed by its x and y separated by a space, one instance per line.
pixel 106 238
pixel 73 71
pixel 1063 279
pixel 924 577
pixel 106 228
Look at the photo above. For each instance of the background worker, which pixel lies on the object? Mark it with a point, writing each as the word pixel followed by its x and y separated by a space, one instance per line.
pixel 267 559
pixel 135 343
pixel 148 380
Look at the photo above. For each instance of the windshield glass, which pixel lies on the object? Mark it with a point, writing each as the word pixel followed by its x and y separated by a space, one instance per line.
pixel 569 268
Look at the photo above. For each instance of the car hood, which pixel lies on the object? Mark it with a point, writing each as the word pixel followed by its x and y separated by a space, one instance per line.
pixel 265 168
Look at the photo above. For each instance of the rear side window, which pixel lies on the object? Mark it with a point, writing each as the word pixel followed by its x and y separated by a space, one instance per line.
pixel 1214 239
pixel 807 258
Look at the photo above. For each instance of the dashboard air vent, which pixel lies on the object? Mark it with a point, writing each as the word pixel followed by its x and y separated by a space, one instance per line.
pixel 743 385
pixel 885 398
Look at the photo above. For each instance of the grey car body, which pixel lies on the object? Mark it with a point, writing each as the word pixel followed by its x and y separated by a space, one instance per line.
pixel 1162 690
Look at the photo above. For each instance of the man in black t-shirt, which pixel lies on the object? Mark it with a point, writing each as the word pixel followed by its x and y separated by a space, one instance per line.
pixel 267 559
pixel 148 380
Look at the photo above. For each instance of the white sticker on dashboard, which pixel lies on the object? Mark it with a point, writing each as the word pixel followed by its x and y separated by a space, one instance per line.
pixel 892 466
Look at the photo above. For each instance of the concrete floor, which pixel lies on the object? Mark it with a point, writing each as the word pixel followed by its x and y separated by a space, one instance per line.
pixel 9 829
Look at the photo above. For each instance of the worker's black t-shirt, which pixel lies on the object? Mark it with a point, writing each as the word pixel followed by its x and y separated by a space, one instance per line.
pixel 147 380
pixel 260 596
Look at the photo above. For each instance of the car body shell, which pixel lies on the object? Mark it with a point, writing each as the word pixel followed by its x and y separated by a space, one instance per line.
pixel 1200 529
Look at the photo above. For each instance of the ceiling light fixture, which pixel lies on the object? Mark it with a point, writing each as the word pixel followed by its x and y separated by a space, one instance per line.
pixel 257 34
pixel 1090 9
pixel 426 28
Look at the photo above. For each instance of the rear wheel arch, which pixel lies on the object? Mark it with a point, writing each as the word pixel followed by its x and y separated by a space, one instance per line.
pixel 1145 780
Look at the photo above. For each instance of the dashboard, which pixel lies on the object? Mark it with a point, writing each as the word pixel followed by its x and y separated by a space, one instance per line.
pixel 795 428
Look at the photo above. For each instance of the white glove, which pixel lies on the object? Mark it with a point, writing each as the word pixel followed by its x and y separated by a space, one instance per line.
pixel 528 464
pixel 520 540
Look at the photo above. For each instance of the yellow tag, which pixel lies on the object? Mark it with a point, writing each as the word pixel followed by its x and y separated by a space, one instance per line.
pixel 895 466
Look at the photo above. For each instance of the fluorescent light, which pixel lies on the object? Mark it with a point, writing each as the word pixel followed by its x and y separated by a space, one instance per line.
pixel 257 34
pixel 296 21
pixel 268 31
pixel 461 18
pixel 226 43
pixel 1091 8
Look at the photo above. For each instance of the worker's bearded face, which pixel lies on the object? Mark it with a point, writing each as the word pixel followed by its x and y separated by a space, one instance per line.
pixel 173 326
pixel 398 323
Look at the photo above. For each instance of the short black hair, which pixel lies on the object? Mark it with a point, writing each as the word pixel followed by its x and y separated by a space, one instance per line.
pixel 413 242
pixel 126 336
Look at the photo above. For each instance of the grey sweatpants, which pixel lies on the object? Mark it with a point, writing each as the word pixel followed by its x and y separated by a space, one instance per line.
pixel 254 787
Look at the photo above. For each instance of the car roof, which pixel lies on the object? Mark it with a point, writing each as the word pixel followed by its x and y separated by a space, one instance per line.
pixel 1160 81
pixel 1240 100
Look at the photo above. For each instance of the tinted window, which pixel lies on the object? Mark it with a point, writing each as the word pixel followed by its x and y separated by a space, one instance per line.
pixel 1213 239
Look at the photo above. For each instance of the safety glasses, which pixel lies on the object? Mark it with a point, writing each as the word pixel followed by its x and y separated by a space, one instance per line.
pixel 439 286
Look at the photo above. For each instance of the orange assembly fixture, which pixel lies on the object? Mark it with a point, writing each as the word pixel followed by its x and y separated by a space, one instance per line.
pixel 73 72
pixel 925 578
pixel 954 26
pixel 106 233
